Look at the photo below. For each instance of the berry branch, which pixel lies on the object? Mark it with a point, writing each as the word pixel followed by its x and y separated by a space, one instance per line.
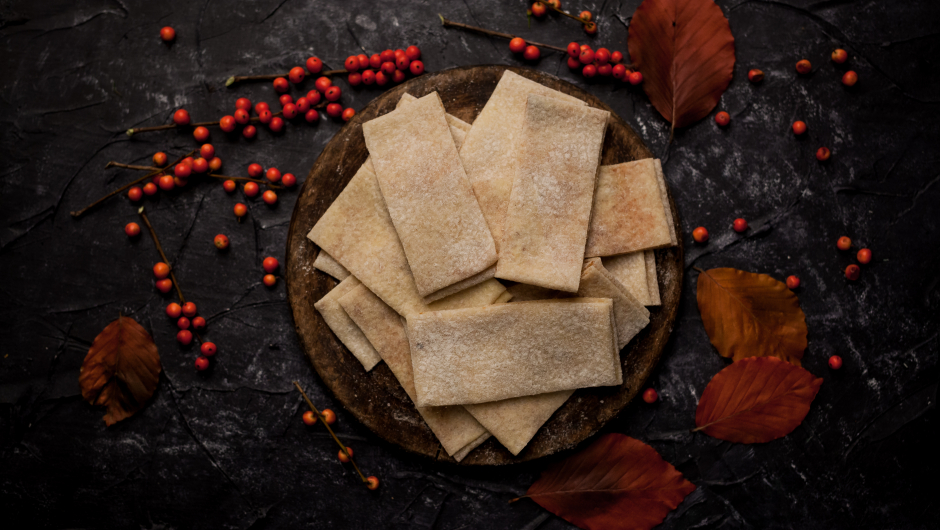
pixel 213 175
pixel 132 132
pixel 157 171
pixel 270 77
pixel 451 24
pixel 156 242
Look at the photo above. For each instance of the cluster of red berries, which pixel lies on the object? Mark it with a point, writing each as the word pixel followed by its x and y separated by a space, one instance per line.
pixel 185 317
pixel 839 56
pixel 270 266
pixel 602 62
pixel 383 68
pixel 323 89
pixel 853 271
pixel 310 419
pixel 539 9
pixel 177 176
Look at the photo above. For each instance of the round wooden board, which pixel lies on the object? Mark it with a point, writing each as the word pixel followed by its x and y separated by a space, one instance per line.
pixel 376 398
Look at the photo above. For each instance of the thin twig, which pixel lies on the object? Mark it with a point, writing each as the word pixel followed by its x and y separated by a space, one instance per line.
pixel 451 24
pixel 567 14
pixel 156 242
pixel 239 78
pixel 245 179
pixel 128 185
pixel 327 425
pixel 132 132
pixel 213 175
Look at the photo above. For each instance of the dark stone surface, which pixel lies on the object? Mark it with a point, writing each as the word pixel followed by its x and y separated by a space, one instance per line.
pixel 227 449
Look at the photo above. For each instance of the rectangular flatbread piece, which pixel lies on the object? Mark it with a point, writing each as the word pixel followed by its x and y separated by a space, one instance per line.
pixel 429 199
pixel 550 204
pixel 652 281
pixel 345 329
pixel 515 421
pixel 502 351
pixel 630 271
pixel 629 313
pixel 327 264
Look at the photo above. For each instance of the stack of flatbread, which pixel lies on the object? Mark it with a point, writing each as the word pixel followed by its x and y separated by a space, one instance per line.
pixel 495 267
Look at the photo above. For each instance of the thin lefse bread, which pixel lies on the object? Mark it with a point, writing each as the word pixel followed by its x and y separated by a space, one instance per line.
pixel 502 351
pixel 515 421
pixel 429 199
pixel 327 264
pixel 630 270
pixel 489 152
pixel 550 204
pixel 345 329
pixel 453 426
pixel 651 277
pixel 631 210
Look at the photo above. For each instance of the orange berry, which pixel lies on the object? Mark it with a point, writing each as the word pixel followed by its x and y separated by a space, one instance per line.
pixel 538 9
pixel 850 78
pixel 792 282
pixel 700 234
pixel 799 127
pixel 517 45
pixel 822 154
pixel 803 66
pixel 650 395
pixel 343 457
pixel 269 280
pixel 372 483
pixel 835 362
pixel 844 243
pixel 839 56
pixel 161 270
pixel 864 256
pixel 740 225
pixel 132 229
pixel 585 16
pixel 309 418
pixel 722 118
pixel 755 76
pixel 328 416
pixel 240 210
pixel 852 272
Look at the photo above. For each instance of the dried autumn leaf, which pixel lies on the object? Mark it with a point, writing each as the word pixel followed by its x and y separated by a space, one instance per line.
pixel 756 400
pixel 751 315
pixel 617 482
pixel 121 370
pixel 685 51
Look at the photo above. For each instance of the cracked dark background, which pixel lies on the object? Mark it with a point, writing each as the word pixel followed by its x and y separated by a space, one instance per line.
pixel 227 449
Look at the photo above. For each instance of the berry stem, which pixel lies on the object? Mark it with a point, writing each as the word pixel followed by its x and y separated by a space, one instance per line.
pixel 327 425
pixel 567 14
pixel 156 241
pixel 156 171
pixel 132 132
pixel 270 77
pixel 245 179
pixel 451 24
pixel 168 168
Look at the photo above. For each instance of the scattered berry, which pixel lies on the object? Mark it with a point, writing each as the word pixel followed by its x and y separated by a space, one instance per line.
pixel 839 56
pixel 269 280
pixel 722 118
pixel 164 285
pixel 333 93
pixel 590 28
pixel 189 309
pixel 616 57
pixel 348 113
pixel 202 363
pixel 181 117
pixel 740 225
pixel 166 183
pixel 200 165
pixel 309 418
pixel 650 395
pixel 636 78
pixel 344 456
pixel 240 210
pixel 755 75
pixel 799 127
pixel 532 53
pixel 135 193
pixel 273 174
pixel 538 9
pixel 312 116
pixel 792 282
pixel 849 78
pixel 150 188
pixel 290 111
pixel 270 264
pixel 159 159
pixel 700 234
pixel 255 170
pixel 199 323
pixel 844 243
pixel 574 49
pixel 250 189
pixel 201 134
pixel 243 104
pixel 372 483
pixel 835 362
pixel 269 197
pixel 296 75
pixel 221 242
pixel 323 83
pixel 207 151
pixel 586 56
pixel 852 272
pixel 167 33
pixel 413 52
pixel 249 131
pixel 173 310
pixel 182 323
pixel 803 66
pixel 132 229
pixel 208 349
pixel 589 71
pixel 416 67
pixel 288 180
pixel 281 85
pixel 864 256
pixel 161 270
pixel 822 154
pixel 585 16
pixel 328 416
pixel 335 110
pixel 314 65
pixel 229 185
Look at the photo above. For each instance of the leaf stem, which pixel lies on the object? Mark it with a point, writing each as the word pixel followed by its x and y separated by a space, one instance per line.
pixel 268 77
pixel 327 425
pixel 156 242
pixel 698 269
pixel 451 24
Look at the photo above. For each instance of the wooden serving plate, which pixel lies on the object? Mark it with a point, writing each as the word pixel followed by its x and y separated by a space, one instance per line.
pixel 376 398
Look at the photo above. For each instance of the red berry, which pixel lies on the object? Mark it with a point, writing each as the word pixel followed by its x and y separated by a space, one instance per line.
pixel 586 56
pixel 182 170
pixel 164 285
pixel 201 134
pixel 574 50
pixel 722 118
pixel 240 210
pixel 619 71
pixel 852 272
pixel 348 113
pixel 700 234
pixel 309 418
pixel 573 63
pixel 864 256
pixel 650 395
pixel 402 62
pixel 276 125
pixel 202 363
pixel 605 70
pixel 227 123
pixel 586 47
pixel 281 85
pixel 207 151
pixel 344 456
pixel 835 362
pixel 822 154
pixel 273 174
pixel 323 83
pixel 265 116
pixel 288 180
pixel 173 310
pixel 590 28
pixel 270 264
pixel 368 77
pixel 159 159
pixel 208 349
pixel 290 111
pixel 261 106
pixel 285 99
pixel 755 75
pixel 269 197
pixel 602 56
pixel 328 416
pixel 296 74
pixel 372 483
pixel 161 270
pixel 740 225
pixel 250 189
pixel 381 79
pixel 181 117
pixel 184 337
pixel 150 188
pixel 333 93
pixel 413 52
pixel 354 79
pixel 132 229
pixel 335 110
pixel 215 164
pixel 269 280
pixel 616 57
pixel 844 243
pixel 585 16
pixel 517 45
pixel 589 71
pixel 255 170
pixel 839 56
pixel 351 64
pixel 229 185
pixel 398 76
pixel 303 105
pixel 538 9
pixel 375 61
pixel 221 242
pixel 200 165
pixel 249 131
pixel 312 116
pixel 314 65
pixel 388 67
pixel 179 183
pixel 417 67
pixel 135 193
pixel 243 104
pixel 803 66
pixel 387 56
pixel 199 323
pixel 189 309
pixel 799 127
pixel 532 53
pixel 850 78
pixel 182 323
pixel 167 34
pixel 792 282
pixel 167 183
pixel 635 78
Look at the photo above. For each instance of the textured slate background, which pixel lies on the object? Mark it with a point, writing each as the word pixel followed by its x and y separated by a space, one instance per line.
pixel 227 449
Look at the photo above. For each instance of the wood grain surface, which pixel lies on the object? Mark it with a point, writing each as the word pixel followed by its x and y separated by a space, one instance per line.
pixel 376 398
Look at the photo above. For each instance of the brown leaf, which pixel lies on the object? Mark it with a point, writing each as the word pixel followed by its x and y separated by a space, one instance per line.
pixel 751 315
pixel 685 51
pixel 121 370
pixel 756 400
pixel 617 482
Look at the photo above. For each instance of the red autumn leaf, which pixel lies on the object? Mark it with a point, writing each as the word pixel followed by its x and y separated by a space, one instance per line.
pixel 685 51
pixel 756 400
pixel 121 370
pixel 751 315
pixel 617 482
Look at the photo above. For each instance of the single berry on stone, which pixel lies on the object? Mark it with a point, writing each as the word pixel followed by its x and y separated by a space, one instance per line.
pixel 416 67
pixel 182 323
pixel 250 189
pixel 173 310
pixel 839 56
pixel 372 483
pixel 159 159
pixel 835 362
pixel 852 272
pixel 167 33
pixel 635 78
pixel 199 323
pixel 844 243
pixel 269 280
pixel 740 225
pixel 202 363
pixel 288 180
pixel 243 104
pixel 208 349
pixel 132 229
pixel 344 456
pixel 314 65
pixel 249 131
pixel 333 93
pixel 650 395
pixel 616 57
pixel 273 174
pixel 413 52
pixel 590 28
pixel 538 9
pixel 589 71
pixel 532 53
pixel 201 134
pixel 166 183
pixel 184 337
pixel 323 83
pixel 240 210
pixel 229 185
pixel 296 75
pixel 221 242
pixel 289 111
pixel 255 170
pixel 722 118
pixel 161 270
pixel 803 66
pixel 348 113
pixel 270 264
pixel 700 234
pixel 335 110
pixel 181 117
pixel 276 125
pixel 864 256
pixel 517 45
pixel 164 285
pixel 755 75
pixel 312 116
pixel 269 197
pixel 189 309
pixel 585 16
pixel 823 154
pixel 200 165
pixel 792 282
pixel 281 85
pixel 849 78
pixel 135 193
pixel 309 418
pixel 328 416
pixel 150 189
pixel 799 127
pixel 574 49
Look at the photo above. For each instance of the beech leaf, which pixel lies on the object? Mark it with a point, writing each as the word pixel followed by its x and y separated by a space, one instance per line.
pixel 685 51
pixel 617 482
pixel 751 315
pixel 756 400
pixel 121 370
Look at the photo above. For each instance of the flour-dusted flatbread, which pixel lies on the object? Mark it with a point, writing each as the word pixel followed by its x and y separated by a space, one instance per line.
pixel 503 298
pixel 454 122
pixel 429 199
pixel 453 426
pixel 515 421
pixel 344 328
pixel 651 280
pixel 462 285
pixel 502 351
pixel 630 271
pixel 488 292
pixel 550 204
pixel 631 210
pixel 629 313
pixel 489 152
pixel 327 264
